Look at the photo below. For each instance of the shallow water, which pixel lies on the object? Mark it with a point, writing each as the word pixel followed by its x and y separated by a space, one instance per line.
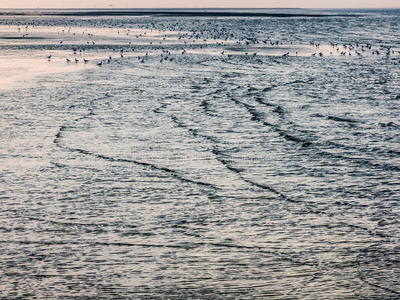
pixel 208 176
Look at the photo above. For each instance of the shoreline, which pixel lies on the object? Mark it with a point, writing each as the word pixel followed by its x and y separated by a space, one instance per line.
pixel 166 13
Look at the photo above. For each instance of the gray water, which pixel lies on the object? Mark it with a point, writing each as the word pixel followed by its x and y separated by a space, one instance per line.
pixel 196 174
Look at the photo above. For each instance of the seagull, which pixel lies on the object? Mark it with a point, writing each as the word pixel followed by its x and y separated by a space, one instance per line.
pixel 68 60
pixel 76 60
pixel 100 63
pixel 49 56
pixel 85 60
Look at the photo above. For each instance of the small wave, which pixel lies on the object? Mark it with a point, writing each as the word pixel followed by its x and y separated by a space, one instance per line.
pixel 341 119
pixel 297 81
pixel 171 172
pixel 389 124
pixel 205 105
pixel 158 110
pixel 263 102
pixel 267 89
pixel 279 110
pixel 255 114
pixel 196 87
pixel 377 286
pixel 292 138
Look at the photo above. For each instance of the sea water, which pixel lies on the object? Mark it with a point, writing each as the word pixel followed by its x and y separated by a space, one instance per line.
pixel 207 157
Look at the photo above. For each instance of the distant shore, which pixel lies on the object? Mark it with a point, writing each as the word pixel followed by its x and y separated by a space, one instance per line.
pixel 168 13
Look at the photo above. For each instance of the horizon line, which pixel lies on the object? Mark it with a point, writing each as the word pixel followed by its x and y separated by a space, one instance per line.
pixel 182 8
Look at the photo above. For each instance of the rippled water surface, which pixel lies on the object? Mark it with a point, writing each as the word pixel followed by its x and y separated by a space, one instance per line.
pixel 203 159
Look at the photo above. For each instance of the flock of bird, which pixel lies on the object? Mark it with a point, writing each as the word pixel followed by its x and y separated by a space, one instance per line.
pixel 221 38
